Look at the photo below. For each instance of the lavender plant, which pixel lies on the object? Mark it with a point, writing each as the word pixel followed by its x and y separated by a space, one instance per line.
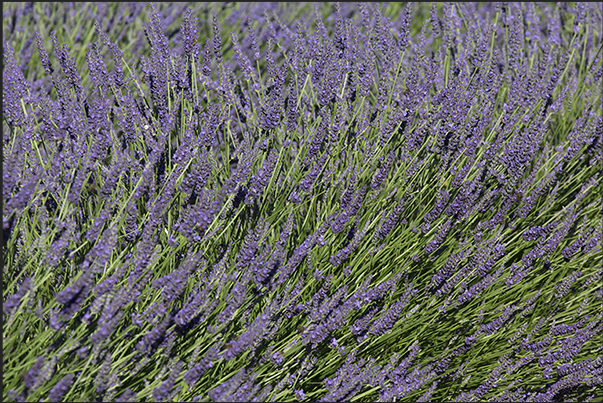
pixel 302 202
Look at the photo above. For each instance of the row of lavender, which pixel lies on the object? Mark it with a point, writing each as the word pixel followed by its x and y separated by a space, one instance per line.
pixel 259 202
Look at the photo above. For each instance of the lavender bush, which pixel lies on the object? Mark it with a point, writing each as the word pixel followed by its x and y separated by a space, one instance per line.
pixel 302 202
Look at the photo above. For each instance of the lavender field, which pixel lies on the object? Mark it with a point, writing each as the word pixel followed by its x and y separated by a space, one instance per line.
pixel 253 202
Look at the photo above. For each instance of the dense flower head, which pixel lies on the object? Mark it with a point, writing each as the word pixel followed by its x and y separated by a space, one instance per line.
pixel 283 201
pixel 57 392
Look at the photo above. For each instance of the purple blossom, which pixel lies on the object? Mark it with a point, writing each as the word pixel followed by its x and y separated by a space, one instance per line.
pixel 43 55
pixel 236 297
pixel 395 372
pixel 15 89
pixel 261 328
pixel 497 323
pixel 128 396
pixel 392 219
pixel 74 295
pixel 307 183
pixel 174 284
pixel 477 288
pixel 260 180
pixel 217 39
pixel 14 300
pixel 195 308
pixel 349 378
pixel 58 391
pixel 196 369
pixel 392 315
pixel 518 272
pixel 444 228
pixel 193 141
pixel 299 254
pixel 82 352
pixel 189 33
pixel 563 288
pixel 345 252
pixel 327 316
pixel 338 223
pixel 361 325
pixel 32 375
pixel 441 201
pixel 239 388
pixel 161 392
pixel 448 268
pixel 150 340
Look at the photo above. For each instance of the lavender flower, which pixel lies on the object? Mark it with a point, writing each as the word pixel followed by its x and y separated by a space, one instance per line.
pixel 161 392
pixel 241 387
pixel 261 179
pixel 58 391
pixel 15 300
pixel 127 396
pixel 32 375
pixel 392 315
pixel 392 219
pixel 152 168
pixel 197 369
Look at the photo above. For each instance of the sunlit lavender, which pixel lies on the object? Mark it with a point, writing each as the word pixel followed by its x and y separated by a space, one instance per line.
pixel 302 202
